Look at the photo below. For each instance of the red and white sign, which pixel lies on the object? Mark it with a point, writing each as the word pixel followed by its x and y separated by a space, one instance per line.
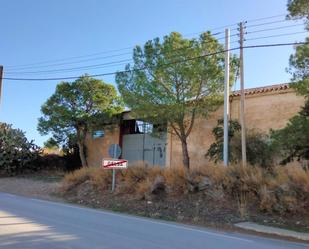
pixel 114 164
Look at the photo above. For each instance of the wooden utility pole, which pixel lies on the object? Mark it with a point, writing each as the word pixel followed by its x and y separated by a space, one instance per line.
pixel 226 99
pixel 242 96
pixel 1 77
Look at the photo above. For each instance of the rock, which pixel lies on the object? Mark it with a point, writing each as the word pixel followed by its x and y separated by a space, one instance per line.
pixel 196 219
pixel 180 218
pixel 204 182
pixel 198 183
pixel 158 186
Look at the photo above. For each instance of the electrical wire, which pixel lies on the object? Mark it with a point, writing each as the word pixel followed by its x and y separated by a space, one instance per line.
pixel 271 36
pixel 167 64
pixel 275 28
pixel 126 48
pixel 121 62
pixel 95 66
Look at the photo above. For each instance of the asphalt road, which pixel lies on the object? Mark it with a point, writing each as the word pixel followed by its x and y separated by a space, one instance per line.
pixel 29 223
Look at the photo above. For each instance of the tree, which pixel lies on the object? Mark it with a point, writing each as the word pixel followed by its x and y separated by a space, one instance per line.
pixel 76 107
pixel 299 68
pixel 299 9
pixel 51 143
pixel 175 81
pixel 293 140
pixel 16 152
pixel 299 61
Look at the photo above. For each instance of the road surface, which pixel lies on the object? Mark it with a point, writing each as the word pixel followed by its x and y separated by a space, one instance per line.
pixel 27 223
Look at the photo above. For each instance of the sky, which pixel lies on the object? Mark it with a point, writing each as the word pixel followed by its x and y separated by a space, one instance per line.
pixel 39 39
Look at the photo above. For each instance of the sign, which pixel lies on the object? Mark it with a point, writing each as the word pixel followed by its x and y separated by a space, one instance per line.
pixel 114 151
pixel 114 164
pixel 98 134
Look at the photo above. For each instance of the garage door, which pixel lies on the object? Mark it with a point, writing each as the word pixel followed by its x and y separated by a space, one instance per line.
pixel 144 147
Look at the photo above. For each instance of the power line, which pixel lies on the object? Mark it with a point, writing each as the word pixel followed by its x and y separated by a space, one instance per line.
pixel 267 23
pixel 126 48
pixel 265 18
pixel 74 57
pixel 174 50
pixel 99 53
pixel 78 68
pixel 121 62
pixel 167 64
pixel 101 65
pixel 279 35
pixel 75 62
pixel 275 28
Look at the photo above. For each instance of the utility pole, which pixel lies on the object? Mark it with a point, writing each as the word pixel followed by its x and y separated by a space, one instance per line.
pixel 226 99
pixel 1 77
pixel 242 96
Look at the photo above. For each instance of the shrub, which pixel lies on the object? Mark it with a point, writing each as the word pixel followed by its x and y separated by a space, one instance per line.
pixel 292 142
pixel 132 177
pixel 215 151
pixel 282 190
pixel 97 177
pixel 176 180
pixel 16 152
pixel 259 149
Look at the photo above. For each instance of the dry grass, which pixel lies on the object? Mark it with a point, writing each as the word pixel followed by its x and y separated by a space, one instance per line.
pixel 176 181
pixel 99 178
pixel 284 190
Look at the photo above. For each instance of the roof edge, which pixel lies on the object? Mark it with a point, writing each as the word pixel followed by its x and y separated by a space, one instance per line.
pixel 263 89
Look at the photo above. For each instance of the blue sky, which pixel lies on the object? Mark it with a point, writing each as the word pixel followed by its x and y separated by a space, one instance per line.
pixel 35 31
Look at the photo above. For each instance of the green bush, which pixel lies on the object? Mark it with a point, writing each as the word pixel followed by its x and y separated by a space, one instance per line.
pixel 259 148
pixel 292 142
pixel 16 152
pixel 260 151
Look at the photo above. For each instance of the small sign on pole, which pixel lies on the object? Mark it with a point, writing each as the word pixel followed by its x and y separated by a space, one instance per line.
pixel 115 163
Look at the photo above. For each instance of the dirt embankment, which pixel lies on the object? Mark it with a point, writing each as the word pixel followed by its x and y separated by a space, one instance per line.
pixel 30 187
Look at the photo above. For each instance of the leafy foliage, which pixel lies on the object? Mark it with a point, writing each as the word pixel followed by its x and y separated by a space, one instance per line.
pixel 215 151
pixel 173 81
pixel 299 9
pixel 51 143
pixel 299 68
pixel 293 140
pixel 76 107
pixel 16 152
pixel 259 149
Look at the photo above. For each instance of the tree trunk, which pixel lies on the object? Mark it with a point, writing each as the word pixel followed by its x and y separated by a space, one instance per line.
pixel 81 134
pixel 82 156
pixel 185 153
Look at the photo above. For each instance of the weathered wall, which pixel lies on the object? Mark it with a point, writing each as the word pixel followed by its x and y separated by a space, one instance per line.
pixel 97 148
pixel 263 111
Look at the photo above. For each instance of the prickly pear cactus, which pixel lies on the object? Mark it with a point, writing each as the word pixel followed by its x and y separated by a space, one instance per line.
pixel 16 152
